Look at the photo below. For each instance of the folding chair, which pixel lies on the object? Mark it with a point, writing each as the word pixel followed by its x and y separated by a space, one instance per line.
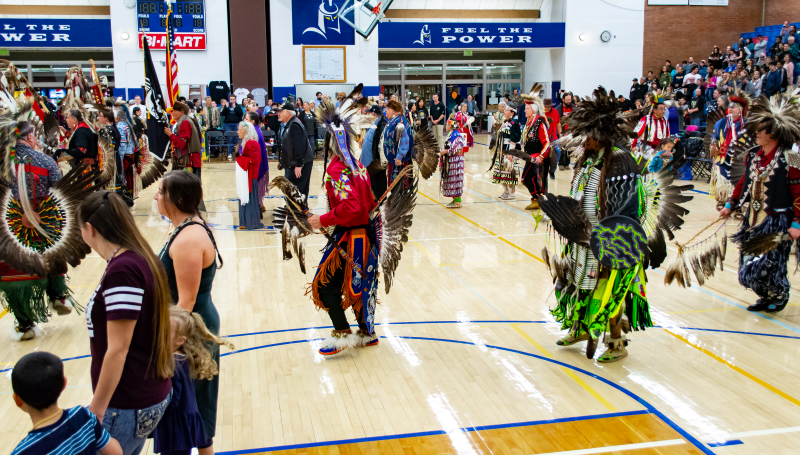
pixel 214 141
pixel 231 138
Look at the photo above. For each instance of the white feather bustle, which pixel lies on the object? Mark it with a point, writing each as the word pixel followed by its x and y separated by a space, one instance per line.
pixel 351 340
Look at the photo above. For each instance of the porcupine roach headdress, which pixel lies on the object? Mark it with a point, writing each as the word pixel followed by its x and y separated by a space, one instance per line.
pixel 599 118
pixel 781 112
pixel 343 125
pixel 51 237
pixel 534 98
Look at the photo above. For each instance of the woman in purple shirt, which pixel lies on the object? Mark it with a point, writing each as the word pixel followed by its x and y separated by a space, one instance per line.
pixel 263 170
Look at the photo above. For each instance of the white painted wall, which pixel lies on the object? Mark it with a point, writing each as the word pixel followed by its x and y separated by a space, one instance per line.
pixel 592 62
pixel 194 67
pixel 287 59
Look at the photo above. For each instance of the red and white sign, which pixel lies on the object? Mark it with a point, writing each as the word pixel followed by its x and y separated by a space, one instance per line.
pixel 183 41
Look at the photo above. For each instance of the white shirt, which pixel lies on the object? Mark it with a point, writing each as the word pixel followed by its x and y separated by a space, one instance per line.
pixel 240 94
pixel 692 78
pixel 260 95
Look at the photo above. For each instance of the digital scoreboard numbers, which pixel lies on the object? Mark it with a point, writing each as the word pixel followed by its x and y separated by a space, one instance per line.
pixel 188 19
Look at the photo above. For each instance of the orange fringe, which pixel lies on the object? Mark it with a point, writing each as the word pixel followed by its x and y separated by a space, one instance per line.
pixel 327 269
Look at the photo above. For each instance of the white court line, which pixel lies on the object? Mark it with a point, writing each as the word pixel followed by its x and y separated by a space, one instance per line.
pixel 746 434
pixel 641 445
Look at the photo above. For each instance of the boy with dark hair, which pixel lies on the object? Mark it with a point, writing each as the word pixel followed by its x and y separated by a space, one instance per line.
pixel 37 381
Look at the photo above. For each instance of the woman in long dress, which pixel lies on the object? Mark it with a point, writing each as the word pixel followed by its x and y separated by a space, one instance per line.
pixel 452 165
pixel 249 162
pixel 190 260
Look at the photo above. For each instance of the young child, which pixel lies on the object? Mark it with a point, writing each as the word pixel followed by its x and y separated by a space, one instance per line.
pixel 181 428
pixel 37 381
pixel 663 156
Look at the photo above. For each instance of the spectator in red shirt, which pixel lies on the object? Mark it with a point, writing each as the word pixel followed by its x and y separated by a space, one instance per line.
pixel 552 132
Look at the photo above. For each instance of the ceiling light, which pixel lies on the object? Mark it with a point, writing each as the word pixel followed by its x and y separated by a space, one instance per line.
pixel 124 36
pixel 582 37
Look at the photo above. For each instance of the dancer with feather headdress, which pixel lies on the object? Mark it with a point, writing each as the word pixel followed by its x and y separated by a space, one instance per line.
pixel 362 234
pixel 536 144
pixel 397 139
pixel 508 135
pixel 38 233
pixel 651 129
pixel 728 145
pixel 769 195
pixel 611 228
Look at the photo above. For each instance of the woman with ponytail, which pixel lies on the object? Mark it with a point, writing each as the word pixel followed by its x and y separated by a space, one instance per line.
pixel 129 327
pixel 190 260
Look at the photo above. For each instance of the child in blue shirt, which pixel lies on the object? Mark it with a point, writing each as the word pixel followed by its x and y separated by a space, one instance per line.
pixel 37 381
pixel 663 156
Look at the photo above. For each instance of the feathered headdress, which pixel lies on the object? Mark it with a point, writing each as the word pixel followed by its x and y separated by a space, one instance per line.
pixel 740 97
pixel 781 114
pixel 534 98
pixel 343 125
pixel 599 118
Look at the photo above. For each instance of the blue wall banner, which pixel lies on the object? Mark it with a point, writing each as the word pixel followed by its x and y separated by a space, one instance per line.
pixel 476 35
pixel 55 33
pixel 318 22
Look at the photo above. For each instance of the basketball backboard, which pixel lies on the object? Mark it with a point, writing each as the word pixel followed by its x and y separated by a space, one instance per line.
pixel 366 14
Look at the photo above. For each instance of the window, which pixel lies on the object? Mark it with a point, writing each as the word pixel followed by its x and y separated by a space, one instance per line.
pixel 504 71
pixel 464 71
pixel 422 71
pixel 389 72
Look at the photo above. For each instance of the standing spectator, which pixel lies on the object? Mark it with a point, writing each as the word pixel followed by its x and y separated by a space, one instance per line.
pixel 137 102
pixel 212 117
pixel 757 82
pixel 634 89
pixel 677 80
pixel 776 47
pixel 472 106
pixel 794 49
pixel 788 66
pixel 231 114
pixel 189 258
pixel 565 110
pixel 308 123
pixel 746 85
pixel 624 105
pixel 711 84
pixel 422 115
pixel 784 77
pixel 697 108
pixel 263 169
pixel 650 77
pixel 128 319
pixel 759 47
pixel 669 66
pixel 552 132
pixel 665 79
pixel 703 72
pixel 691 81
pixel 715 59
pixel 249 161
pixel 437 114
pixel 784 30
pixel 772 84
pixel 296 157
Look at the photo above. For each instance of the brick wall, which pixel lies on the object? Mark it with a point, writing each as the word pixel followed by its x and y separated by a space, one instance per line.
pixel 678 32
pixel 778 11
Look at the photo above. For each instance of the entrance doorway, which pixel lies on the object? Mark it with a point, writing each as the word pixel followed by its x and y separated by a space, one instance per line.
pixel 457 93
pixel 423 91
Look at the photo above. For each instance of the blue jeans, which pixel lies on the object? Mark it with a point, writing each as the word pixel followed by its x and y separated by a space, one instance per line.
pixel 695 121
pixel 232 145
pixel 130 427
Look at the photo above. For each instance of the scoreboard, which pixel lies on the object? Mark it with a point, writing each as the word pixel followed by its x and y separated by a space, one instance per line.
pixel 188 18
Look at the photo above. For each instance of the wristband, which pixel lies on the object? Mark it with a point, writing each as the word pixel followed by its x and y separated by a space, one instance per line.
pixel 795 225
pixel 728 205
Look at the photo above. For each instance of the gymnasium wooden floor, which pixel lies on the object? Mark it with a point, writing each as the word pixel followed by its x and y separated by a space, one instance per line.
pixel 467 362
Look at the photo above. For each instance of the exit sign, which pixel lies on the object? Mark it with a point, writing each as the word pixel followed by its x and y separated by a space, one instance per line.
pixel 467 52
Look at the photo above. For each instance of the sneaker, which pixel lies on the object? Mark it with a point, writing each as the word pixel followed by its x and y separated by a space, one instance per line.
pixel 504 195
pixel 61 308
pixel 508 197
pixel 571 339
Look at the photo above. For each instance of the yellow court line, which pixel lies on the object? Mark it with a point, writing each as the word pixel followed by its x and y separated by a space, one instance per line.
pixel 425 250
pixel 569 372
pixel 3 313
pixel 490 232
pixel 738 370
pixel 712 355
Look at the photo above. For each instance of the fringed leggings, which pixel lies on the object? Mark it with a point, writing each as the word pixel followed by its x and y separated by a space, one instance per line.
pixel 331 295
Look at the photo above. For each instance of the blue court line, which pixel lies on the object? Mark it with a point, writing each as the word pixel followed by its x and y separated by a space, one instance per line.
pixel 756 313
pixel 490 321
pixel 649 408
pixel 475 292
pixel 732 442
pixel 433 433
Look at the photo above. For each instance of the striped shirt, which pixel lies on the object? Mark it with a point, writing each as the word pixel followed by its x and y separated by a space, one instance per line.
pixel 127 292
pixel 77 432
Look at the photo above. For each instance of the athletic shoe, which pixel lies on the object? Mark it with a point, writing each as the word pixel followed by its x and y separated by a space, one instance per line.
pixel 760 305
pixel 776 305
pixel 508 197
pixel 504 195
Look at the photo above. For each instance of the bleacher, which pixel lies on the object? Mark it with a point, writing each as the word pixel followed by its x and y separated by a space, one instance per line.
pixel 770 31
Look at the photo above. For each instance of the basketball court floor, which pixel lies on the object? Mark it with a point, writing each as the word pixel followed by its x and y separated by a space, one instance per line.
pixel 467 361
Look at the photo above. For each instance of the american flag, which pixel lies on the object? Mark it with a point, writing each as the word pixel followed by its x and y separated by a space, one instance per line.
pixel 172 59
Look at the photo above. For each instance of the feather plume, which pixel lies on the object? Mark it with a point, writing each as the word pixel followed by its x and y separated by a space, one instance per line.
pixel 599 117
pixel 149 168
pixel 657 249
pixel 397 215
pixel 763 243
pixel 698 271
pixel 723 246
pixel 427 153
pixel 105 145
pixel 674 273
pixel 562 265
pixel 546 260
pixel 296 204
pixel 781 112
pixel 567 217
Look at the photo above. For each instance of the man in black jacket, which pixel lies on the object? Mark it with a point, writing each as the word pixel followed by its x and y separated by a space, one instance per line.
pixel 231 115
pixel 296 155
